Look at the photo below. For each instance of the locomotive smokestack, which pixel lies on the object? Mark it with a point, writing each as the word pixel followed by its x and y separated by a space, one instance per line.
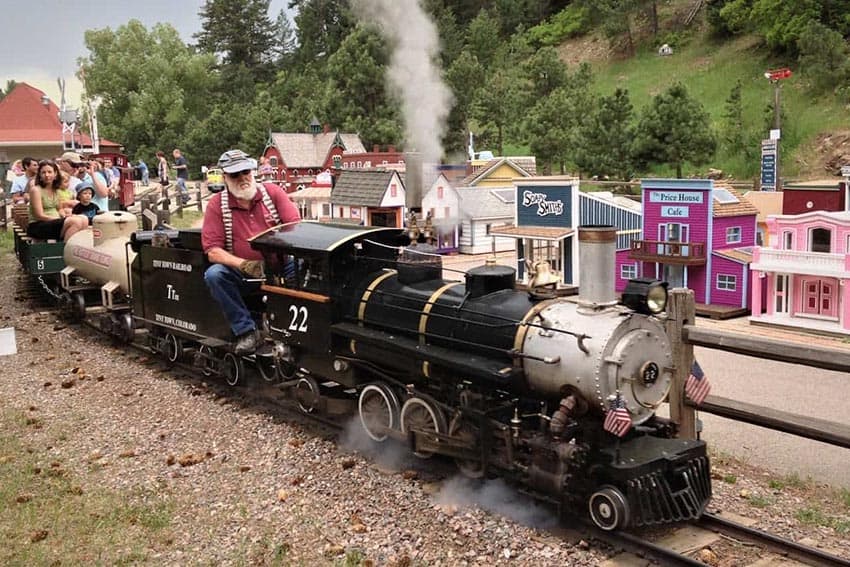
pixel 596 249
pixel 413 181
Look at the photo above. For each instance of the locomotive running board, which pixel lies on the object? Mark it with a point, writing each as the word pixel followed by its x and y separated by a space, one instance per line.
pixel 462 364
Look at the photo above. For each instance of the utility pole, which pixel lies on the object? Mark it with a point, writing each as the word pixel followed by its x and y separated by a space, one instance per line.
pixel 774 76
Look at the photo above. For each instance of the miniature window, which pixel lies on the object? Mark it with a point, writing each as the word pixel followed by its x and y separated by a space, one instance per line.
pixel 326 209
pixel 294 173
pixel 733 234
pixel 628 271
pixel 727 282
pixel 447 212
pixel 787 240
pixel 819 240
pixel 439 192
pixel 273 161
pixel 337 161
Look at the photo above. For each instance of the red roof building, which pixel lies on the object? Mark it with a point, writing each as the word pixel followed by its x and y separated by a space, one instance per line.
pixel 30 126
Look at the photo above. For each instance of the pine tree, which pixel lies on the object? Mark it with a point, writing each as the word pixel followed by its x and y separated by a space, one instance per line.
pixel 239 32
pixel 675 129
pixel 733 121
pixel 606 140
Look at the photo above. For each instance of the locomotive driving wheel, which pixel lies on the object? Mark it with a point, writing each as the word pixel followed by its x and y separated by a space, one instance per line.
pixel 379 411
pixel 422 414
pixel 268 367
pixel 307 394
pixel 470 468
pixel 125 322
pixel 609 509
pixel 206 360
pixel 232 369
pixel 172 348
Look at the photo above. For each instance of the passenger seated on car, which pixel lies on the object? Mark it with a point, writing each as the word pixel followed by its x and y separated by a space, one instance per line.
pixel 50 215
pixel 85 206
pixel 245 209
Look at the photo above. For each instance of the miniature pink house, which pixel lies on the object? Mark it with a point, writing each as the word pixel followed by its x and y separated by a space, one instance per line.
pixel 697 234
pixel 805 272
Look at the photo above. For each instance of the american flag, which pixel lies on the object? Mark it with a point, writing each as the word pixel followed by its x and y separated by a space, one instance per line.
pixel 697 386
pixel 617 420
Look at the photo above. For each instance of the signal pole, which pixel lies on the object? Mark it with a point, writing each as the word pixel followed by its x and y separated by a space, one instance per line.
pixel 775 76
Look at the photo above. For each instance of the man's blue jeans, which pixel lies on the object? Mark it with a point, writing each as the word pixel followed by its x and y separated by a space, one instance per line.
pixel 227 287
pixel 184 192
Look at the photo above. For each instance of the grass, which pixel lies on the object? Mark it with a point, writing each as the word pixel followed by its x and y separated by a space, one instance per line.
pixel 815 517
pixel 7 241
pixel 190 217
pixel 48 515
pixel 709 70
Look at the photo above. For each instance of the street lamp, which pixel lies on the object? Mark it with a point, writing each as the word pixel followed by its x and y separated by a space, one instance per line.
pixel 775 76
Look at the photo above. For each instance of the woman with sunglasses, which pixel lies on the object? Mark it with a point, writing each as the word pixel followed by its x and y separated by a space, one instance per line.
pixel 50 206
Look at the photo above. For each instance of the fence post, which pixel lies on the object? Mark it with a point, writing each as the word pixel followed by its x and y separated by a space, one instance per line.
pixel 199 187
pixel 681 311
pixel 146 205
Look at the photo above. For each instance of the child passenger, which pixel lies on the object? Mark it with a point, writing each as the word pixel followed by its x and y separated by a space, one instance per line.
pixel 85 192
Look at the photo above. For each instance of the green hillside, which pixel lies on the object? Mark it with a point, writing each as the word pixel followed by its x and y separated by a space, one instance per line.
pixel 710 69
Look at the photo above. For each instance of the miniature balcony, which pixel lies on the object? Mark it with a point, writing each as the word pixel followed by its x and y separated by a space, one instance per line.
pixel 677 253
pixel 799 262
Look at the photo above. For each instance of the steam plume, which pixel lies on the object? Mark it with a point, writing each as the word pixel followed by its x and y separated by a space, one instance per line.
pixel 426 100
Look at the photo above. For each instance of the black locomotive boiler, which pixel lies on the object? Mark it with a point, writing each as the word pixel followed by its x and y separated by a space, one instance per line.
pixel 507 382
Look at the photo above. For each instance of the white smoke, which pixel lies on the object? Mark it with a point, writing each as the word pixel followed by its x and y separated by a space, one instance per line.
pixel 414 71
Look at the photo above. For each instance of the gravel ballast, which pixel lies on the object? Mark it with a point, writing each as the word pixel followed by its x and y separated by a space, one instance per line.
pixel 247 486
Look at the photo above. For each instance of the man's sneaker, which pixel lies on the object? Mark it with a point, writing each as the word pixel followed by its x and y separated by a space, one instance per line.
pixel 246 344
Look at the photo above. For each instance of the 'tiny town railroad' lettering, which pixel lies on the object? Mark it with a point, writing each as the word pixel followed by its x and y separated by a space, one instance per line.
pixel 169 265
pixel 174 322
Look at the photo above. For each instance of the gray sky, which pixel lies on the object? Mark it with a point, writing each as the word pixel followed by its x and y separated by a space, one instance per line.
pixel 41 40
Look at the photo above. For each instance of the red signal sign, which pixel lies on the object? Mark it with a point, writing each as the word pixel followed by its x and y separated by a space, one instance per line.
pixel 777 74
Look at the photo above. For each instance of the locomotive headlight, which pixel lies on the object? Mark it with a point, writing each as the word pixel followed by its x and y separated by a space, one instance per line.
pixel 645 295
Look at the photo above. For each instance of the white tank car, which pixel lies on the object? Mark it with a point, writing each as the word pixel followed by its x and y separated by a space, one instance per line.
pixel 619 352
pixel 100 254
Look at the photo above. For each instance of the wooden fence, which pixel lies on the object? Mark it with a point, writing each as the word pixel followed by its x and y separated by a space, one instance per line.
pixel 685 335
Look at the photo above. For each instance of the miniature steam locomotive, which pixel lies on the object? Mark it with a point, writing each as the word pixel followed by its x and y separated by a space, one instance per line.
pixel 506 382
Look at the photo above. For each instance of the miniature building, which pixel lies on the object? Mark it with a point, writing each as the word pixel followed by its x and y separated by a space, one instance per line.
pixel 29 126
pixel 442 202
pixel 372 198
pixel 823 195
pixel 296 158
pixel 805 273
pixel 697 235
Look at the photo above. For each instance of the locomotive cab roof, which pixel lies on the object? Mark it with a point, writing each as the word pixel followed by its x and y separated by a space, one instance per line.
pixel 311 236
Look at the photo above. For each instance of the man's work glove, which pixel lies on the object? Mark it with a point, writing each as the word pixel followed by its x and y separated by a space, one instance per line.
pixel 253 268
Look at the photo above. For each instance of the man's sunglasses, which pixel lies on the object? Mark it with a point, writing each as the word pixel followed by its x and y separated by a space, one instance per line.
pixel 238 174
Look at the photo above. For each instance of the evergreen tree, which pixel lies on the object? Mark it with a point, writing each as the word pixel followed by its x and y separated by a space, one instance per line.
pixel 733 121
pixel 285 42
pixel 239 32
pixel 605 146
pixel 675 129
pixel 464 76
pixel 10 84
pixel 824 58
pixel 359 100
pixel 497 105
pixel 321 25
pixel 482 37
pixel 545 71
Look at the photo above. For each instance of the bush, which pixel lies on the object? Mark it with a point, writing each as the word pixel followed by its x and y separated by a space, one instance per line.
pixel 572 21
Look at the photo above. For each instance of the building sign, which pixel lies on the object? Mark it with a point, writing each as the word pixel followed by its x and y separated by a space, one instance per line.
pixel 690 197
pixel 544 205
pixel 768 165
pixel 675 212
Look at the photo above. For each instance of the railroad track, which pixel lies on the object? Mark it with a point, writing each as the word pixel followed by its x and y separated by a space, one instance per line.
pixel 673 547
pixel 683 545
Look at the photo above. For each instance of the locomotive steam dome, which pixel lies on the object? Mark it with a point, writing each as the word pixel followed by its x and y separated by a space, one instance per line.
pixel 489 278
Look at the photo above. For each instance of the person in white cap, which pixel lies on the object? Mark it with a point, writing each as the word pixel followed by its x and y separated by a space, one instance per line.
pixel 232 217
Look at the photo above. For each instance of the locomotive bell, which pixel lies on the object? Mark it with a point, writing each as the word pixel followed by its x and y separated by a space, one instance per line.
pixel 543 275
